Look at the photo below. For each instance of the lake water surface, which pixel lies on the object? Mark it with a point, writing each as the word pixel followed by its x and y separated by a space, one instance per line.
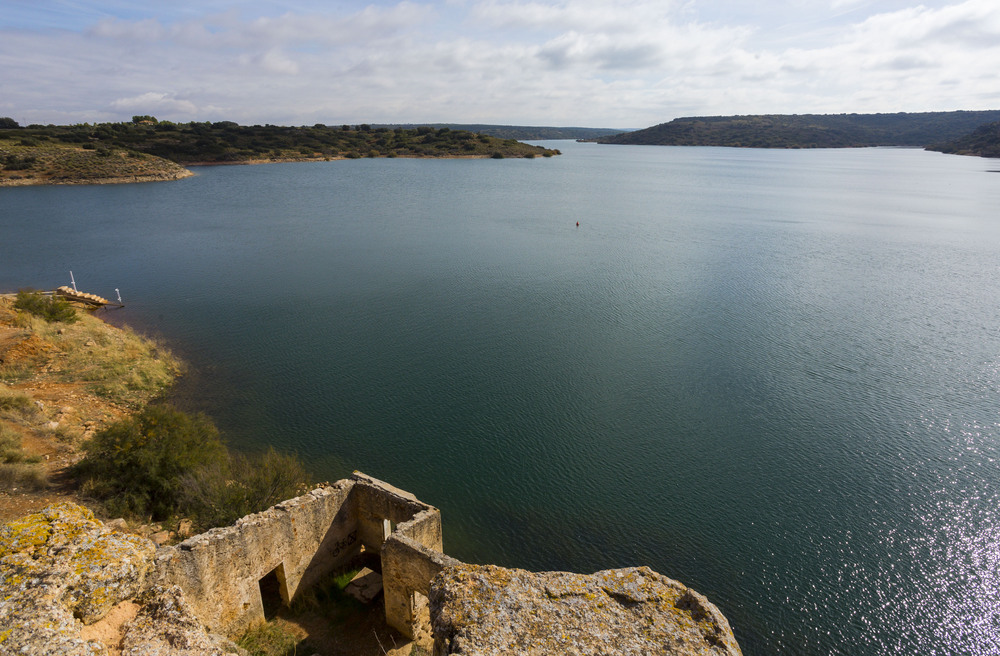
pixel 772 375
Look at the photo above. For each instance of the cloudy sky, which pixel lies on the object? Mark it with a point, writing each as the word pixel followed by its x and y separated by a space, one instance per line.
pixel 597 63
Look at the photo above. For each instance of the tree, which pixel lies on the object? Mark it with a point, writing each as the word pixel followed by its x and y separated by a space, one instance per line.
pixel 7 123
pixel 144 119
pixel 136 465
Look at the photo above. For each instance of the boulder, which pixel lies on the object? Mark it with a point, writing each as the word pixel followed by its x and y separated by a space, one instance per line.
pixel 67 561
pixel 62 569
pixel 166 626
pixel 484 610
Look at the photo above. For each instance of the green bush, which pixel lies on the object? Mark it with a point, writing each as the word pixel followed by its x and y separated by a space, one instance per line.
pixel 221 492
pixel 49 308
pixel 135 466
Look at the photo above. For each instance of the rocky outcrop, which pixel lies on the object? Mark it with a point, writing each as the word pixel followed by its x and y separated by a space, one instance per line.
pixel 483 610
pixel 165 626
pixel 63 571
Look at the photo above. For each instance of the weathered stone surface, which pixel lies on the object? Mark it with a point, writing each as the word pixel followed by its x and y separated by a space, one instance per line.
pixel 484 610
pixel 165 626
pixel 61 569
pixel 65 565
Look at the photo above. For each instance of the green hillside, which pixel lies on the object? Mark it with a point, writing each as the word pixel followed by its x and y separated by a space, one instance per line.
pixel 984 142
pixel 810 130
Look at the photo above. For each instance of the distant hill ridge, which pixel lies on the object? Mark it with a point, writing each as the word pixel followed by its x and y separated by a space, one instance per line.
pixel 519 132
pixel 811 130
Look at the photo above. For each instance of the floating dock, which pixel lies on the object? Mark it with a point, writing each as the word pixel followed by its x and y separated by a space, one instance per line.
pixel 71 294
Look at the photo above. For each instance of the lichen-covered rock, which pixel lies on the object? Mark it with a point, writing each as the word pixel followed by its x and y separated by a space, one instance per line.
pixel 61 569
pixel 64 555
pixel 483 610
pixel 166 626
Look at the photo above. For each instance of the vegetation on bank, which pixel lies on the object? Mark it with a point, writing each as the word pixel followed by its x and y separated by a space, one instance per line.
pixel 162 463
pixel 983 142
pixel 810 130
pixel 36 160
pixel 519 132
pixel 50 308
pixel 143 461
pixel 18 469
pixel 148 148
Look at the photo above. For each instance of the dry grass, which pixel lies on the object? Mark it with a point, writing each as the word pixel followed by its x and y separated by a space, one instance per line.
pixel 17 407
pixel 59 384
pixel 116 364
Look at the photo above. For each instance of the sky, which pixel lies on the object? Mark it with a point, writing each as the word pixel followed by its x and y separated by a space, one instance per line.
pixel 591 63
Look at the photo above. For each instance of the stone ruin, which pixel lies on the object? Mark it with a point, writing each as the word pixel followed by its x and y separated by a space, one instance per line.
pixel 63 575
pixel 226 573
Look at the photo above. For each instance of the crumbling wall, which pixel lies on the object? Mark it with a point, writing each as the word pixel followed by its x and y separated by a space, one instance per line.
pixel 407 570
pixel 302 538
pixel 411 552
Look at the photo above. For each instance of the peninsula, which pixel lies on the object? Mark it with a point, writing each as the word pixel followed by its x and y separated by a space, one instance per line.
pixel 146 149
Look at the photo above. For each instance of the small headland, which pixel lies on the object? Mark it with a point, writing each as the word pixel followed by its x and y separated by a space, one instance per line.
pixel 148 150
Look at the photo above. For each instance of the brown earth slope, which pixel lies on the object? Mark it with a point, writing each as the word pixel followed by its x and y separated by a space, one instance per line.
pixel 59 383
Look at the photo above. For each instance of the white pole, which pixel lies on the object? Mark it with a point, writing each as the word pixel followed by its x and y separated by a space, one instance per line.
pixel 119 296
pixel 72 280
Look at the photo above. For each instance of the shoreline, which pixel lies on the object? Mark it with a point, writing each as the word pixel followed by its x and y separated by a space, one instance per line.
pixel 134 179
pixel 186 173
pixel 59 384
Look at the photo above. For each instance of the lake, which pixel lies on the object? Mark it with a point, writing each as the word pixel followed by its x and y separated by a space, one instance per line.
pixel 771 375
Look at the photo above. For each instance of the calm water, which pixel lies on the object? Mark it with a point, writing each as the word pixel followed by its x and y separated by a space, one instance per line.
pixel 772 375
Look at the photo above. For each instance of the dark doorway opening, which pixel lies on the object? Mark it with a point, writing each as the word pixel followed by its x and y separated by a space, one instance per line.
pixel 271 597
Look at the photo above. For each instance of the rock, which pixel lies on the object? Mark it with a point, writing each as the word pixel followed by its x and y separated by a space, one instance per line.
pixel 365 586
pixel 185 528
pixel 61 565
pixel 61 569
pixel 160 538
pixel 166 626
pixel 484 610
pixel 117 524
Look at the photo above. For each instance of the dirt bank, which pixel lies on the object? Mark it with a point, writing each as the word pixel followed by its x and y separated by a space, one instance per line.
pixel 59 383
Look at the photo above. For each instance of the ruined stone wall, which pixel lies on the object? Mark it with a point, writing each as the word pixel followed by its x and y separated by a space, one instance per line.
pixel 303 539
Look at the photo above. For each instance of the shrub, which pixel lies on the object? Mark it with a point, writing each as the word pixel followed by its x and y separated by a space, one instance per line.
pixel 497 155
pixel 221 492
pixel 135 466
pixel 49 308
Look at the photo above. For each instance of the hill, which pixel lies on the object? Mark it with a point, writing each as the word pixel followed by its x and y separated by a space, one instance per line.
pixel 147 149
pixel 810 130
pixel 984 141
pixel 520 132
pixel 29 160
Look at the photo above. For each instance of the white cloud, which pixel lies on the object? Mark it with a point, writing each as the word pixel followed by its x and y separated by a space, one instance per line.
pixel 153 102
pixel 625 63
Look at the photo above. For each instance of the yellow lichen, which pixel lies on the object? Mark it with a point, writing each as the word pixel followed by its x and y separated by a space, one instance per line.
pixel 24 534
